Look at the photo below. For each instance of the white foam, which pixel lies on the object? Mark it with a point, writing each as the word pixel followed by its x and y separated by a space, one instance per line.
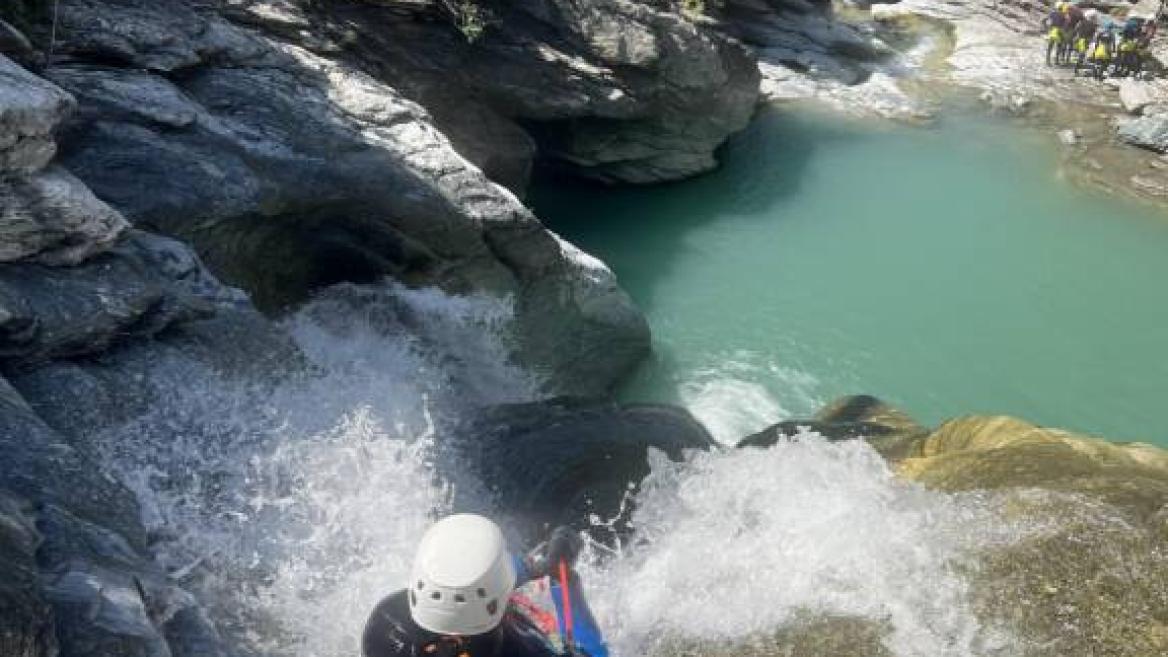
pixel 291 512
pixel 730 398
pixel 740 542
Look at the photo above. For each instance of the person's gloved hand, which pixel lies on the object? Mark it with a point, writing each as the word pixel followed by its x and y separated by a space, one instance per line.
pixel 564 544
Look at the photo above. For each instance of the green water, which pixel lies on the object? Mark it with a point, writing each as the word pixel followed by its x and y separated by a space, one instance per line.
pixel 944 269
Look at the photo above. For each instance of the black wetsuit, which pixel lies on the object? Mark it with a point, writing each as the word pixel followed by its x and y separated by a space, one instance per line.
pixel 391 632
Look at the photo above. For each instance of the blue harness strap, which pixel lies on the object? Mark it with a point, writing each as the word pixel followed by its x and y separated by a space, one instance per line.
pixel 587 637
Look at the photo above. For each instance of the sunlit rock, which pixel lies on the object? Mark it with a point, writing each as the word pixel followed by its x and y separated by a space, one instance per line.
pixel 1085 572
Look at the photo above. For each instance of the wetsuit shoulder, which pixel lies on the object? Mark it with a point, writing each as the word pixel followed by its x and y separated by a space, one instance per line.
pixel 390 632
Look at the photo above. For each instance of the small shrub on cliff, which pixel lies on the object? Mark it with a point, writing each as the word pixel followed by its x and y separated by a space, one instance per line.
pixel 699 7
pixel 469 18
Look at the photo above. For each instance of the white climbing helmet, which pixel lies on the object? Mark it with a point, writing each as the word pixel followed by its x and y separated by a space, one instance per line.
pixel 462 577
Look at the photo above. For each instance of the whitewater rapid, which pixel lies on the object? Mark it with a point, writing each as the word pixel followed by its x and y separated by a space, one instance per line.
pixel 290 509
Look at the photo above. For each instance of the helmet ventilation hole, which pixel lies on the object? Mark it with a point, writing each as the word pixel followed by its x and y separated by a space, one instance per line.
pixel 493 607
pixel 460 598
pixel 421 585
pixel 435 596
pixel 482 593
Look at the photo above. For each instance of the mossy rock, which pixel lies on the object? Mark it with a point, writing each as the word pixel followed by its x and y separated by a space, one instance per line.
pixel 1080 566
pixel 991 453
pixel 807 636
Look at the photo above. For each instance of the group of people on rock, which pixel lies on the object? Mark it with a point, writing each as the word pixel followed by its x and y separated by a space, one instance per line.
pixel 1097 42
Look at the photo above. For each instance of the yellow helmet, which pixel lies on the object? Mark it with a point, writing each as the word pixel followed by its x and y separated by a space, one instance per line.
pixel 1063 6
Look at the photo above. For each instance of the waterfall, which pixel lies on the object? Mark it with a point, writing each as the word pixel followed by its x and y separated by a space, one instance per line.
pixel 290 509
pixel 731 546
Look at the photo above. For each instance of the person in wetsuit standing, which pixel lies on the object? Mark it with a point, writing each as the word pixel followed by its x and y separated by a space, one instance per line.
pixel 458 601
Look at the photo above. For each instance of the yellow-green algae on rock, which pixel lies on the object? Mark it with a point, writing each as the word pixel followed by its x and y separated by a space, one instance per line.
pixel 1088 574
pixel 808 637
pixel 1093 578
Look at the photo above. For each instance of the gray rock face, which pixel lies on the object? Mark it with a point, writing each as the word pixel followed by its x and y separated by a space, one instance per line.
pixel 1149 132
pixel 611 89
pixel 26 621
pixel 289 172
pixel 86 557
pixel 52 217
pixel 30 108
pixel 663 93
pixel 41 465
pixel 142 286
pixel 108 599
pixel 45 215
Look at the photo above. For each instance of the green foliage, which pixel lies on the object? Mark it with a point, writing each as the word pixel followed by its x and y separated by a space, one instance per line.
pixel 469 18
pixel 698 7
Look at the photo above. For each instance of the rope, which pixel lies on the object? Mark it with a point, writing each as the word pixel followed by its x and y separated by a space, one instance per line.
pixel 52 36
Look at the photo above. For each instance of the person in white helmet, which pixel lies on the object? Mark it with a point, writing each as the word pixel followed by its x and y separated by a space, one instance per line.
pixel 459 603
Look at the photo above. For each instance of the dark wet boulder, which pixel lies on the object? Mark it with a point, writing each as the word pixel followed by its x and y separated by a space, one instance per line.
pixel 854 417
pixel 563 460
